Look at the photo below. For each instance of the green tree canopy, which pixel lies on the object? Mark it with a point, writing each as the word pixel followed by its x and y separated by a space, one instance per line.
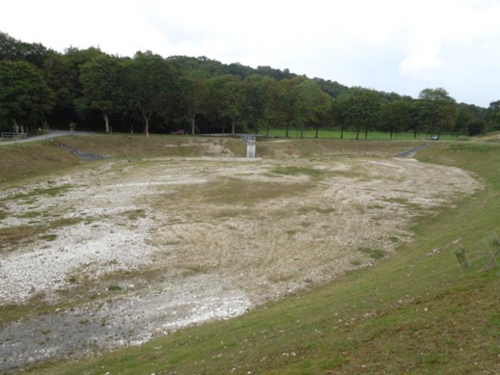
pixel 150 79
pixel 25 97
pixel 361 109
pixel 312 104
pixel 102 86
pixel 396 116
pixel 437 110
pixel 290 98
pixel 493 115
pixel 274 103
pixel 228 99
pixel 193 91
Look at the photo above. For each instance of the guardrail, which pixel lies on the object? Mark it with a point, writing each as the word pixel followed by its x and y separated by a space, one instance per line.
pixel 13 135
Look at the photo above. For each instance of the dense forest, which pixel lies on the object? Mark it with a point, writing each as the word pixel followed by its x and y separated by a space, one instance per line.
pixel 42 88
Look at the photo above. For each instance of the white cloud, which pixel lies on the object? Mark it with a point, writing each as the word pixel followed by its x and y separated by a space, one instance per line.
pixel 401 46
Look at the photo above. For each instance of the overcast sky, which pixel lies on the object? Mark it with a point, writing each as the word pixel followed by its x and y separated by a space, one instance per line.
pixel 390 45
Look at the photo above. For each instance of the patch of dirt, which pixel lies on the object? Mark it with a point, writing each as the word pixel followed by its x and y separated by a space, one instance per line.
pixel 166 243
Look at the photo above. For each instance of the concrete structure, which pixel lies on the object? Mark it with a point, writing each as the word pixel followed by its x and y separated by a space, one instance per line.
pixel 249 140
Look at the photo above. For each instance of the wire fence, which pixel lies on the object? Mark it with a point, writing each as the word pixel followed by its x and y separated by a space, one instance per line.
pixel 483 254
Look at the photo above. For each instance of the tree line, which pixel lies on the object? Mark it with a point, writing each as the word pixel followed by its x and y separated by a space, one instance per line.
pixel 41 87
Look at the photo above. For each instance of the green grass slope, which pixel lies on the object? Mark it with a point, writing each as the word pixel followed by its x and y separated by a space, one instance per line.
pixel 410 314
pixel 37 159
pixel 18 162
pixel 139 146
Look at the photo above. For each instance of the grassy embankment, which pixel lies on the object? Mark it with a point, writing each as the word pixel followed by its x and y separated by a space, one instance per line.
pixel 20 162
pixel 412 313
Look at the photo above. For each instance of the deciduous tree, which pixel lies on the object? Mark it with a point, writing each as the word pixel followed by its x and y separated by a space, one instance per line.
pixel 150 79
pixel 102 86
pixel 228 99
pixel 25 97
pixel 194 92
pixel 361 109
pixel 396 116
pixel 311 105
pixel 437 110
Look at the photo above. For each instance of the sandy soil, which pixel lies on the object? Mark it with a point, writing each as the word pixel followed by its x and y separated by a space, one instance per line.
pixel 159 244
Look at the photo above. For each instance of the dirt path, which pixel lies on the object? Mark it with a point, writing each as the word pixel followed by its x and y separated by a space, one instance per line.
pixel 51 135
pixel 131 250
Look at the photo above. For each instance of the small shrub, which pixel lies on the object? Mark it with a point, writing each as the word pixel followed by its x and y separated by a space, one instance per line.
pixel 461 257
pixel 114 288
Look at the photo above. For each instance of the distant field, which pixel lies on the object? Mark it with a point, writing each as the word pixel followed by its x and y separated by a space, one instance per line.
pixel 335 134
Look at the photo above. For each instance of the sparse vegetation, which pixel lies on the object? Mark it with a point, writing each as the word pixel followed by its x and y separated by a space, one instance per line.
pixel 294 171
pixel 391 318
pixel 372 253
pixel 49 237
pixel 30 215
pixel 51 192
pixel 135 214
pixel 462 257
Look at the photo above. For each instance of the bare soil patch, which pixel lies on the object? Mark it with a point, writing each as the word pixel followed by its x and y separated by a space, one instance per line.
pixel 154 245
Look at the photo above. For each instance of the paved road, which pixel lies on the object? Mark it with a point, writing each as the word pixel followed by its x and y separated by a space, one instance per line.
pixel 51 134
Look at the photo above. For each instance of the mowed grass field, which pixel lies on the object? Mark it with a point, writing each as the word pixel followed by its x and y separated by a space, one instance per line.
pixel 335 134
pixel 417 312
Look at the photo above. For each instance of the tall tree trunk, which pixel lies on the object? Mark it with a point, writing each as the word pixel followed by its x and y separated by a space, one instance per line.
pixel 317 132
pixel 287 127
pixel 391 133
pixel 357 133
pixel 146 125
pixel 233 126
pixel 106 122
pixel 256 127
pixel 193 125
pixel 342 131
pixel 415 133
pixel 301 130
